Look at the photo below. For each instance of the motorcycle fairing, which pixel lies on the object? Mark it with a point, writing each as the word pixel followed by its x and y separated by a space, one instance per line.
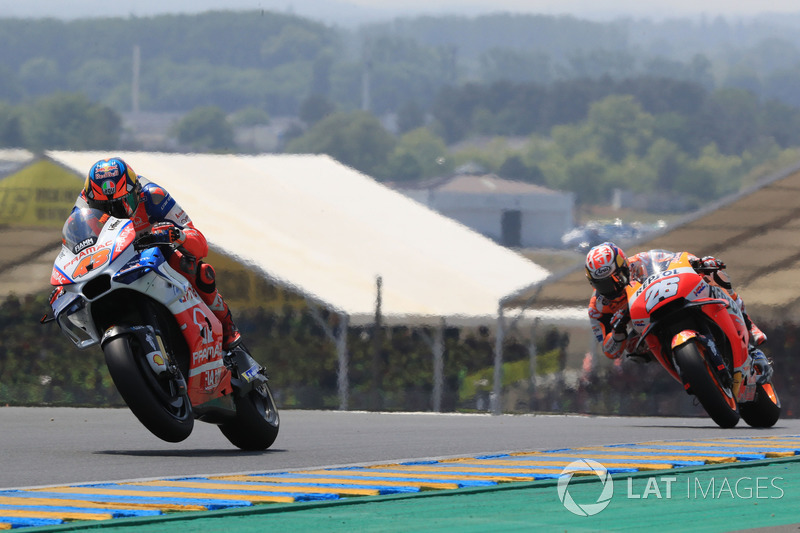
pixel 203 333
pixel 95 243
pixel 669 279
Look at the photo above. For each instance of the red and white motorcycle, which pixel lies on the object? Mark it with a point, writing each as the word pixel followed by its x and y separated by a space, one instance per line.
pixel 162 344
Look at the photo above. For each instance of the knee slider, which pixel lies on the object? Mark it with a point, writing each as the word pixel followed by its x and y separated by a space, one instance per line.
pixel 206 278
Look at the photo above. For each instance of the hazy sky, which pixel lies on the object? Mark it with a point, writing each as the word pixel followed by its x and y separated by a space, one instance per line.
pixel 338 11
pixel 740 7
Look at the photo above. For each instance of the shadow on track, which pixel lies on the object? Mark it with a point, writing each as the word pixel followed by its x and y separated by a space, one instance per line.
pixel 188 453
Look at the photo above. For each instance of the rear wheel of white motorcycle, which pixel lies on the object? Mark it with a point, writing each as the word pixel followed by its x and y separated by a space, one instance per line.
pixel 157 403
pixel 765 410
pixel 701 380
pixel 256 424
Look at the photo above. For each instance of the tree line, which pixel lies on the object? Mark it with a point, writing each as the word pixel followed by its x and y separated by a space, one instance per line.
pixel 586 136
pixel 273 61
pixel 591 108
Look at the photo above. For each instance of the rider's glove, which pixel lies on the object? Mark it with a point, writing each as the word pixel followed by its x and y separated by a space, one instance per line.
pixel 168 234
pixel 619 324
pixel 710 264
pixel 614 343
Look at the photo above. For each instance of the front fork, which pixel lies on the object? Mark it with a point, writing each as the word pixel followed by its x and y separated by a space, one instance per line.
pixel 714 358
pixel 246 373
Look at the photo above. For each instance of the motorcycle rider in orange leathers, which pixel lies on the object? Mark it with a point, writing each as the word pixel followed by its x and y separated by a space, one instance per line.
pixel 609 272
pixel 114 188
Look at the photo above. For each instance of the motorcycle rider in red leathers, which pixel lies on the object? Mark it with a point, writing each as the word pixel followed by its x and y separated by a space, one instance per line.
pixel 609 272
pixel 114 188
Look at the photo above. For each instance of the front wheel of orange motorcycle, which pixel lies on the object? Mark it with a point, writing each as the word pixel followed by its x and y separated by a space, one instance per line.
pixel 700 379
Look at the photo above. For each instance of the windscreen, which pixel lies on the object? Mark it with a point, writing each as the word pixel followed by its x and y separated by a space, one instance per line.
pixel 82 228
pixel 653 262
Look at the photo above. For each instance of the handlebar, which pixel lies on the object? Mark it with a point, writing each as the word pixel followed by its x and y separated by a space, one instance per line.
pixel 148 240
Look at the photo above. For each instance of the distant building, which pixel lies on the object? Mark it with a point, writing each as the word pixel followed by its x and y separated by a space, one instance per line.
pixel 512 213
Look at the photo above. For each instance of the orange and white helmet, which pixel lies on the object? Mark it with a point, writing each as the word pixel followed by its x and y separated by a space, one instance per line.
pixel 607 269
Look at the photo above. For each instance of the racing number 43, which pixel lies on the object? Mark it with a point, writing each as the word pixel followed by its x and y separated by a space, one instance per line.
pixel 90 262
pixel 660 291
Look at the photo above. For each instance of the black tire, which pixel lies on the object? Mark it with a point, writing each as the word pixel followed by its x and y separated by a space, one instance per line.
pixel 256 424
pixel 762 412
pixel 156 403
pixel 716 399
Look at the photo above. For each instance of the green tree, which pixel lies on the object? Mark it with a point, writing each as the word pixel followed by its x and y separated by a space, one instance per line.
pixel 505 64
pixel 292 43
pixel 729 119
pixel 314 108
pixel 39 75
pixel 10 87
pixel 11 134
pixel 98 78
pixel 427 149
pixel 69 121
pixel 586 176
pixel 713 174
pixel 205 128
pixel 620 127
pixel 403 166
pixel 410 116
pixel 354 138
pixel 667 163
pixel 250 116
pixel 514 168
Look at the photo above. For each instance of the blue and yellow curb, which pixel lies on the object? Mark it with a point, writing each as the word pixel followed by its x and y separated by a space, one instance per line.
pixel 47 506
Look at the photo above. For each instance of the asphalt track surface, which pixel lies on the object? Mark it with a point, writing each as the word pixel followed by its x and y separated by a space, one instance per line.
pixel 49 446
pixel 79 469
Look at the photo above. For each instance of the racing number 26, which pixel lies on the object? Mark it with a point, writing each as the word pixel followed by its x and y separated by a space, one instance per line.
pixel 662 290
pixel 90 262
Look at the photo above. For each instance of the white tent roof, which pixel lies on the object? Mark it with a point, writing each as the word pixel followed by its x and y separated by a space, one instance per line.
pixel 327 231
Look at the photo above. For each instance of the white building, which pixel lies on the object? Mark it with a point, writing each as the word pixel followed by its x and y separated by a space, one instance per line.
pixel 512 213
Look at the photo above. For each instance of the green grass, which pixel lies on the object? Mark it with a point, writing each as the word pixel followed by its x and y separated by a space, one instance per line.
pixel 513 372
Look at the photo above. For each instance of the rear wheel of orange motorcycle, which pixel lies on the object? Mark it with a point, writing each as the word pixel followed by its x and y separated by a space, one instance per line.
pixel 701 380
pixel 765 410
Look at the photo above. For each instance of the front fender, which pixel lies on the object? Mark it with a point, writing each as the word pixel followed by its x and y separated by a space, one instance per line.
pixel 117 331
pixel 683 337
pixel 147 340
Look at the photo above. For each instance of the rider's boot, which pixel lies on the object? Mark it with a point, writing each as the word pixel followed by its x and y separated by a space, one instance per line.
pixel 231 337
pixel 757 337
pixel 762 366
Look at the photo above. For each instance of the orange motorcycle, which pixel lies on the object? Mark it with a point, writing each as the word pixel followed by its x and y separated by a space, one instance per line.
pixel 698 334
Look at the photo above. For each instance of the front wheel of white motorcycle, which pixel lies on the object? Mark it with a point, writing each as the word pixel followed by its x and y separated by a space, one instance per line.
pixel 256 424
pixel 157 403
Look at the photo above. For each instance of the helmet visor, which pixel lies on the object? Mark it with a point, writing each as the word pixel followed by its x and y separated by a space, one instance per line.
pixel 118 207
pixel 611 286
